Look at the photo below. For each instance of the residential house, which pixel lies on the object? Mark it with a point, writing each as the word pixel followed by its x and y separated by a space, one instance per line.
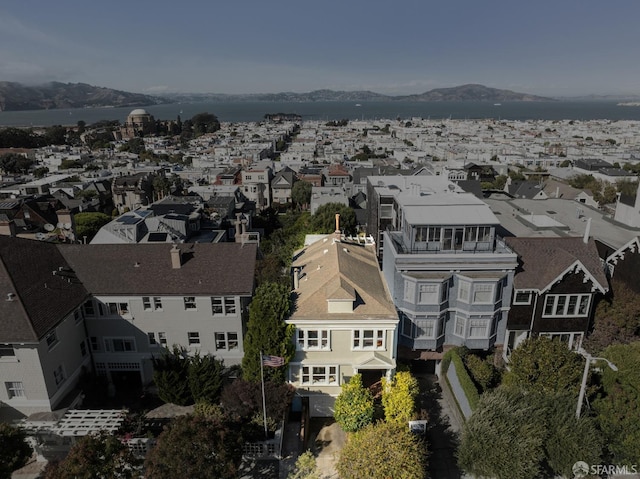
pixel 71 309
pixel 282 184
pixel 345 321
pixel 311 175
pixel 449 274
pixel 322 195
pixel 337 175
pixel 256 186
pixel 43 341
pixel 555 288
pixel 132 191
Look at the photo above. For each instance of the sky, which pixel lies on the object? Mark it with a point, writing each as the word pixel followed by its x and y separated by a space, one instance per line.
pixel 558 48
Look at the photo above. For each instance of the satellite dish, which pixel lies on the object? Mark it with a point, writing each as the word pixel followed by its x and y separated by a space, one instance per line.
pixel 40 236
pixel 67 226
pixel 49 227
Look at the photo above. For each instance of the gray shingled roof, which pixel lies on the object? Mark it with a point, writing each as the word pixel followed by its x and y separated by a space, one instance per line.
pixel 141 269
pixel 544 259
pixel 41 298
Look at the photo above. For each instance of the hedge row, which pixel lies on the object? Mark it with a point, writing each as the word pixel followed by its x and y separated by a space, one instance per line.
pixel 467 384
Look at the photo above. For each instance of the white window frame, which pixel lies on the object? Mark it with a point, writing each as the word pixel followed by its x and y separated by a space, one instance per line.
pixel 230 306
pixel 151 336
pixel 110 344
pixel 409 291
pixel 120 308
pixel 429 293
pixel 15 389
pixel 89 308
pixel 476 324
pixel 427 324
pixel 157 303
pixel 217 305
pixel 460 326
pixel 226 340
pixel 574 338
pixel 51 339
pixel 193 338
pixel 146 303
pixel 521 301
pixel 487 289
pixel 58 375
pixel 190 303
pixel 559 305
pixel 162 338
pixel 319 375
pixel 464 290
pixel 359 338
pixel 7 352
pixel 305 339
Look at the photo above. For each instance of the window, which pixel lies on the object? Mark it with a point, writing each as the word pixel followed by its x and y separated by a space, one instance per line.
pixel 573 340
pixel 522 297
pixel 566 305
pixel 427 328
pixel 230 305
pixel 216 305
pixel 318 375
pixel 444 291
pixel 386 212
pixel 120 345
pixel 157 303
pixel 94 343
pixel 190 303
pixel 146 303
pixel 193 338
pixel 479 328
pixel 58 375
pixel 226 341
pixel 15 389
pixel 309 339
pixel 368 339
pixel 460 326
pixel 7 351
pixel 83 348
pixel 428 294
pixel 162 338
pixel 483 293
pixel 407 327
pixel 52 339
pixel 409 291
pixel 88 308
pixel 464 290
pixel 77 316
pixel 118 309
pixel 152 339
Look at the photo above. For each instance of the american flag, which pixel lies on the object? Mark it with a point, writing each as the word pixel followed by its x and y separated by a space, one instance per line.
pixel 272 361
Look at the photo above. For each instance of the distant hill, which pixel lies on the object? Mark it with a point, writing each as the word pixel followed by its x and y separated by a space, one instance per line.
pixel 16 96
pixel 459 93
pixel 473 92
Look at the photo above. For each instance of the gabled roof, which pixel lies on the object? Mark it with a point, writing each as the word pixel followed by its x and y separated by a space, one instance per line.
pixel 145 269
pixel 544 261
pixel 40 298
pixel 335 270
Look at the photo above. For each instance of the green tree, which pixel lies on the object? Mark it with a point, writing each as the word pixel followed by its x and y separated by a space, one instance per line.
pixel 134 145
pixel 383 451
pixel 15 163
pixel 324 219
pixel 267 332
pixel 170 375
pixel 100 456
pixel 206 378
pixel 399 397
pixel 196 447
pixel 499 182
pixel 616 406
pixel 627 187
pixel 202 123
pixel 301 193
pixel 88 224
pixel 40 172
pixel 305 467
pixel 544 365
pixel 354 406
pixel 14 450
pixel 161 186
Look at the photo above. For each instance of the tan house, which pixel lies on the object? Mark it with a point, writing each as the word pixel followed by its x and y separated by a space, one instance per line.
pixel 345 321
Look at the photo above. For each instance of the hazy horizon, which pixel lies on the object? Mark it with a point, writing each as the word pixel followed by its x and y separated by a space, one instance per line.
pixel 553 49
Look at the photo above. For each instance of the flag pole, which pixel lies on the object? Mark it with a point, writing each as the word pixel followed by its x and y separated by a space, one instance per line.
pixel 264 401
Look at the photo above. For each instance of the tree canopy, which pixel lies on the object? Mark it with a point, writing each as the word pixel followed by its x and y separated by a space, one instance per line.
pixel 102 456
pixel 301 193
pixel 324 219
pixel 399 397
pixel 381 451
pixel 14 450
pixel 544 365
pixel 354 407
pixel 89 223
pixel 267 333
pixel 196 447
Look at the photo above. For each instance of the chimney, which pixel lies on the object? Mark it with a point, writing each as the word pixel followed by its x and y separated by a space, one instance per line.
pixel 238 215
pixel 296 278
pixel 336 233
pixel 587 231
pixel 176 257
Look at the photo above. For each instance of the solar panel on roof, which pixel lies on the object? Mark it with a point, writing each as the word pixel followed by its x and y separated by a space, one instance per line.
pixel 157 237
pixel 128 220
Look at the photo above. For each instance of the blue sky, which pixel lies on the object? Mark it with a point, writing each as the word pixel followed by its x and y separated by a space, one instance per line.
pixel 555 48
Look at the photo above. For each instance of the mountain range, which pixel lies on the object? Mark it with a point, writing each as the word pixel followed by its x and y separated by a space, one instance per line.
pixel 16 96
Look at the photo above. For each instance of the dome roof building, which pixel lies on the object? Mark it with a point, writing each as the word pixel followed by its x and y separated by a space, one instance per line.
pixel 139 123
